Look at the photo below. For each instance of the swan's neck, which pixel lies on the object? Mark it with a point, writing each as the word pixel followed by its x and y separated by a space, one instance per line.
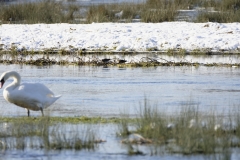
pixel 16 79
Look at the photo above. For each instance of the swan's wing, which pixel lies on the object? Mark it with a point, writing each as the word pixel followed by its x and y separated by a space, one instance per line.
pixel 32 88
pixel 25 100
pixel 32 96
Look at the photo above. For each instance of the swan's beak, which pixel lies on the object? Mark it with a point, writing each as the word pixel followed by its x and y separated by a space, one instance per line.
pixel 2 83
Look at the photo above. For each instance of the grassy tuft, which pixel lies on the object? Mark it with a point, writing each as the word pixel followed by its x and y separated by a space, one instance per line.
pixel 187 132
pixel 42 133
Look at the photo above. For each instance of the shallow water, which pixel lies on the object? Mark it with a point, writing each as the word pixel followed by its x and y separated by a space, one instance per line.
pixel 111 149
pixel 109 92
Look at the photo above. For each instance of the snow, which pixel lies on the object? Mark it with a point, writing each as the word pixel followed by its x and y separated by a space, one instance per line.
pixel 116 37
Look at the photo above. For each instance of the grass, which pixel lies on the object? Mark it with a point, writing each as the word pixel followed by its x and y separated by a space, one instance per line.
pixel 227 11
pixel 68 120
pixel 99 14
pixel 153 11
pixel 52 133
pixel 187 132
pixel 159 11
pixel 219 16
pixel 44 11
pixel 43 133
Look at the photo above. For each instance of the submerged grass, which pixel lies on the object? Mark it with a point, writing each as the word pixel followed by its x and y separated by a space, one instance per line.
pixel 44 133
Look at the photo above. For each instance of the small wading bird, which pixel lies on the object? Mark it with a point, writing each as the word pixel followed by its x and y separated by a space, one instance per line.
pixel 32 96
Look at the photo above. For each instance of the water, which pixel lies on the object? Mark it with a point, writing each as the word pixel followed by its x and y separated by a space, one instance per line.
pixel 111 149
pixel 109 92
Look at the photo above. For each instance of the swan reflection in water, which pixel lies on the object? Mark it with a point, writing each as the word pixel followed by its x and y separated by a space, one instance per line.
pixel 32 96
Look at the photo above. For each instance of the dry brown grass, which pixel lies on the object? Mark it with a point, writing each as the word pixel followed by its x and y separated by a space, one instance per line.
pixel 153 11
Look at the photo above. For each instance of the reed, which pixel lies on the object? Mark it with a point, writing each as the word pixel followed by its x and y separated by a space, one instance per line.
pixel 99 14
pixel 153 11
pixel 227 11
pixel 220 17
pixel 123 12
pixel 44 11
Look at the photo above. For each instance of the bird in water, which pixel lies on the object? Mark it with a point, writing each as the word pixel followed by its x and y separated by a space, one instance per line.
pixel 32 96
pixel 106 60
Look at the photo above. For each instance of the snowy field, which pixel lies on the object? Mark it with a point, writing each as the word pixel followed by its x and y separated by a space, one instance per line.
pixel 116 37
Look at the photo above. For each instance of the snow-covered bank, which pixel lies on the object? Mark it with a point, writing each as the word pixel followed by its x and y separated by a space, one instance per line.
pixel 140 37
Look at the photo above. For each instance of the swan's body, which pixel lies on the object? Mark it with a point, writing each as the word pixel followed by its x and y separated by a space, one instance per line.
pixel 32 96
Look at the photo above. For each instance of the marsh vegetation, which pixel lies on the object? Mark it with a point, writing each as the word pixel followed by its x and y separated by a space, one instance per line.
pixel 119 59
pixel 42 133
pixel 192 128
pixel 153 11
pixel 187 132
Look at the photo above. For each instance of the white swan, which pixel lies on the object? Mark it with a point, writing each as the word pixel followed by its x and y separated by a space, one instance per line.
pixel 32 96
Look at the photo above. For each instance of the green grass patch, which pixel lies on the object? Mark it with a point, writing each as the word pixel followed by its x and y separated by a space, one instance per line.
pixel 70 120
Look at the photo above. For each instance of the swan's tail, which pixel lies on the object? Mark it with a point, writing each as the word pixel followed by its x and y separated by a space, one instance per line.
pixel 52 99
pixel 53 96
pixel 58 96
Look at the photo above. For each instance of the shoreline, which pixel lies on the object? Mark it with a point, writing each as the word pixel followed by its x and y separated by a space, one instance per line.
pixel 122 59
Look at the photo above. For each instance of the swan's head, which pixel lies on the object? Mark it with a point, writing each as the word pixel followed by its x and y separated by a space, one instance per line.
pixel 2 82
pixel 2 79
pixel 6 75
